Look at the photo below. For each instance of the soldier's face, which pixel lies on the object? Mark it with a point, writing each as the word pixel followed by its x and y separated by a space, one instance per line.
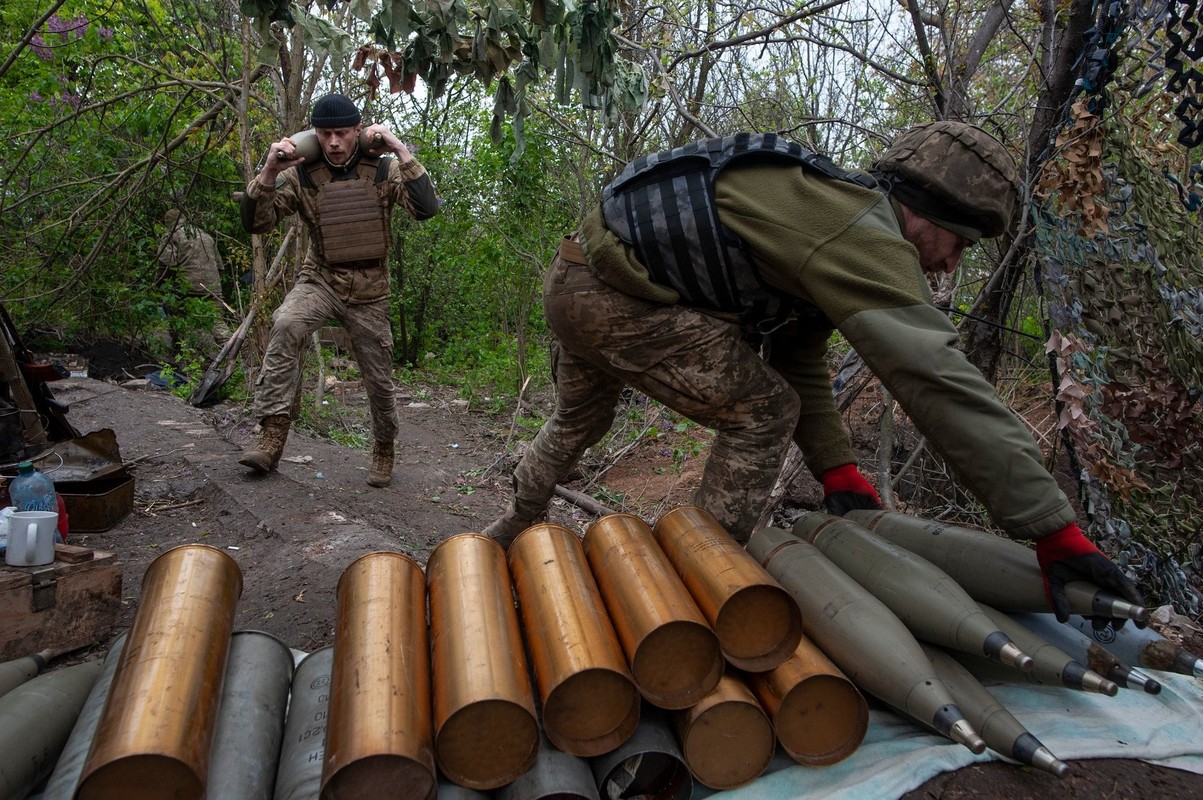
pixel 338 143
pixel 939 249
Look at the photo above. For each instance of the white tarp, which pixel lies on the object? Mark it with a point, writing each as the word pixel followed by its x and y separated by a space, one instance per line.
pixel 897 756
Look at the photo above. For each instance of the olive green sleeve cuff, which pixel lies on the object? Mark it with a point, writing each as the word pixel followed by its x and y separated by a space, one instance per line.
pixel 913 351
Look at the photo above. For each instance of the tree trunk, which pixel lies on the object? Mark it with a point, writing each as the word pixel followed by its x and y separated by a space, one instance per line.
pixel 1063 44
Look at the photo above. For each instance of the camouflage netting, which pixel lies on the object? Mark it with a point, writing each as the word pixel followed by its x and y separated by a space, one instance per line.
pixel 1117 255
pixel 1120 247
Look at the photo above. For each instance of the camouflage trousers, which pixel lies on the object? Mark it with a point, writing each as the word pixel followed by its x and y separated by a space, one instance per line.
pixel 695 363
pixel 306 308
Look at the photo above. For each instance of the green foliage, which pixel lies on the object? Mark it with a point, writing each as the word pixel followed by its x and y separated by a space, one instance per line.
pixel 468 281
pixel 87 114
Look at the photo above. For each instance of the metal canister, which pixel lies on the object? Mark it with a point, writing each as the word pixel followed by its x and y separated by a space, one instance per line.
pixel 70 765
pixel 486 730
pixel 299 773
pixel 379 739
pixel 35 724
pixel 16 672
pixel 818 714
pixel 590 702
pixel 250 720
pixel 726 739
pixel 757 622
pixel 556 775
pixel 453 791
pixel 154 734
pixel 673 654
pixel 649 765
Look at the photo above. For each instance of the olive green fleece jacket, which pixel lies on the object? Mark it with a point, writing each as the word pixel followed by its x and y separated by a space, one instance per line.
pixel 839 247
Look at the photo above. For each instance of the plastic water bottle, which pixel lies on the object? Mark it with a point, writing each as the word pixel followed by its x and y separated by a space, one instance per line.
pixel 33 490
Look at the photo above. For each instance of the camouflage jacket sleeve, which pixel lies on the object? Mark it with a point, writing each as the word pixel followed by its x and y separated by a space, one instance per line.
pixel 411 188
pixel 261 208
pixel 854 265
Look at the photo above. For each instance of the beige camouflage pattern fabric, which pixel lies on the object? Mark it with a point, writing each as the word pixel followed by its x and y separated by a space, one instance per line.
pixel 193 253
pixel 960 164
pixel 696 363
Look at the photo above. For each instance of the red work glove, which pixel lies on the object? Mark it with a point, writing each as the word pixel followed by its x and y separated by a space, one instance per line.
pixel 845 489
pixel 1067 555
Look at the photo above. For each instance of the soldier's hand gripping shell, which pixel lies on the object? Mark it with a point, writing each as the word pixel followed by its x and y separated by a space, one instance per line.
pixel 1067 555
pixel 845 489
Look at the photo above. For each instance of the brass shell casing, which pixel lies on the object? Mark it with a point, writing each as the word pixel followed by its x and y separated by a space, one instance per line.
pixel 673 654
pixel 757 622
pixel 590 702
pixel 154 734
pixel 378 735
pixel 819 716
pixel 486 729
pixel 726 739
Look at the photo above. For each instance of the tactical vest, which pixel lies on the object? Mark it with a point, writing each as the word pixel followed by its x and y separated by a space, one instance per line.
pixel 663 207
pixel 352 226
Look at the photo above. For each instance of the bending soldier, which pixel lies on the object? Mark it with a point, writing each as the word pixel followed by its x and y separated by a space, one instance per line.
pixel 692 250
pixel 346 197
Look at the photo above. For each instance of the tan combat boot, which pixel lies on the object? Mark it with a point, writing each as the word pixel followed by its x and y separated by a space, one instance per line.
pixel 506 528
pixel 381 473
pixel 266 454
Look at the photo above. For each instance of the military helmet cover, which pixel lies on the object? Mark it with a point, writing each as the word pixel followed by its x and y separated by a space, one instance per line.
pixel 962 166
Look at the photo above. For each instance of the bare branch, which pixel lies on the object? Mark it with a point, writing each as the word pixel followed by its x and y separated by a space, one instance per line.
pixel 754 35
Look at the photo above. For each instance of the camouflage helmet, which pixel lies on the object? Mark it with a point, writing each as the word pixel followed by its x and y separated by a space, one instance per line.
pixel 962 166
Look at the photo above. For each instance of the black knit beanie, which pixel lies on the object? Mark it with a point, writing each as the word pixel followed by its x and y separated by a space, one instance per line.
pixel 334 111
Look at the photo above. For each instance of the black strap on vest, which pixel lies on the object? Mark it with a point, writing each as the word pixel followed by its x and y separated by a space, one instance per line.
pixel 663 207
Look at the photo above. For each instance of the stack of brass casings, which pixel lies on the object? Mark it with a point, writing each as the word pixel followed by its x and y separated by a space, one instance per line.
pixel 378 739
pixel 673 654
pixel 757 624
pixel 1013 581
pixel 299 773
pixel 486 731
pixel 590 704
pixel 927 600
pixel 861 635
pixel 817 713
pixel 726 739
pixel 154 735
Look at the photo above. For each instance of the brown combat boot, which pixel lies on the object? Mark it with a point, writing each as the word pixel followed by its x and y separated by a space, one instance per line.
pixel 506 528
pixel 381 473
pixel 266 454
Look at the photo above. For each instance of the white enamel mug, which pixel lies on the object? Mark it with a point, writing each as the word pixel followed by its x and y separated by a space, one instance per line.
pixel 31 538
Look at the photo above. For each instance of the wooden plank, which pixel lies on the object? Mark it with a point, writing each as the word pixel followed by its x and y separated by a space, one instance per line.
pixel 60 607
pixel 71 554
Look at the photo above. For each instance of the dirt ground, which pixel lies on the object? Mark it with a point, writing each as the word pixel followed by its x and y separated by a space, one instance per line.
pixel 292 533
